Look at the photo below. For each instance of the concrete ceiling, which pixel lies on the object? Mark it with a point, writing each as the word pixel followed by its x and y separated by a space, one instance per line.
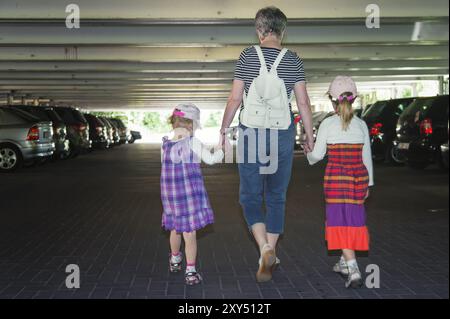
pixel 151 54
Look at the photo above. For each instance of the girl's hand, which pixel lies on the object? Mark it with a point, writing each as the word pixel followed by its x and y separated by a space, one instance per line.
pixel 367 195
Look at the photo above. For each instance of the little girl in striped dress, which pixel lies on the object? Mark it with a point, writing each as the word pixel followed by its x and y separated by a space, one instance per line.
pixel 183 194
pixel 348 175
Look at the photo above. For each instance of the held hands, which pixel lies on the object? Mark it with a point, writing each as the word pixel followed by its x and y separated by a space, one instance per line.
pixel 308 146
pixel 224 143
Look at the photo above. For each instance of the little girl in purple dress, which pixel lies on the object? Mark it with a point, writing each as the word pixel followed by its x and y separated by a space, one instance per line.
pixel 183 194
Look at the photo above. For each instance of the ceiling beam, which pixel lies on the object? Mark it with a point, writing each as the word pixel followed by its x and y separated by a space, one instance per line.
pixel 207 9
pixel 46 67
pixel 229 53
pixel 207 35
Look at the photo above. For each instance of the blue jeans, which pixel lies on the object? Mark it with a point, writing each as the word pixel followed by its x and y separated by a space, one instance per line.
pixel 256 188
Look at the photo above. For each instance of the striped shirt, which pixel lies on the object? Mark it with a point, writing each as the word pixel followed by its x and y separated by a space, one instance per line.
pixel 290 69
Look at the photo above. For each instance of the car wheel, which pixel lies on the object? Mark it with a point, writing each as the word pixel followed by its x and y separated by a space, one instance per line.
pixel 66 154
pixel 443 163
pixel 396 156
pixel 417 165
pixel 10 158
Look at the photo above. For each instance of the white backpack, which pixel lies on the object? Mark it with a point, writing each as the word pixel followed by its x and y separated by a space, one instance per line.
pixel 267 104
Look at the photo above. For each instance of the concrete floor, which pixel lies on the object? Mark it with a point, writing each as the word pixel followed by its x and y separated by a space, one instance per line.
pixel 102 212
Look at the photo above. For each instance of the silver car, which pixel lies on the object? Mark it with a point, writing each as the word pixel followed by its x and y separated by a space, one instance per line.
pixel 23 138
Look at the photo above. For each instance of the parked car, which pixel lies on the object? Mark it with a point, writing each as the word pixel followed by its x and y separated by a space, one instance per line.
pixel 444 152
pixel 421 131
pixel 318 119
pixel 59 133
pixel 23 137
pixel 365 108
pixel 358 112
pixel 134 135
pixel 122 130
pixel 381 119
pixel 97 132
pixel 47 114
pixel 77 130
pixel 109 131
pixel 114 131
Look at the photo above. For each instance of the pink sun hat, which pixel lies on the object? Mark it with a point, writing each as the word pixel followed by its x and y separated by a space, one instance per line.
pixel 188 111
pixel 340 85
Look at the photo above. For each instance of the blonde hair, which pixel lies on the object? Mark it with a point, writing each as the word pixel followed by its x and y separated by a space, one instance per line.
pixel 344 109
pixel 181 122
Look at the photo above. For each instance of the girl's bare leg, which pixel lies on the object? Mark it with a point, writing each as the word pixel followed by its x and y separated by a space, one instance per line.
pixel 348 254
pixel 175 242
pixel 190 240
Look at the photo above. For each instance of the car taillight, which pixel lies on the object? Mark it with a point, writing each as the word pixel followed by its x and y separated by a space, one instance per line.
pixel 33 134
pixel 426 127
pixel 376 129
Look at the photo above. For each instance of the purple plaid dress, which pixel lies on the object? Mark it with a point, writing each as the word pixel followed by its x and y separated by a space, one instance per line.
pixel 183 194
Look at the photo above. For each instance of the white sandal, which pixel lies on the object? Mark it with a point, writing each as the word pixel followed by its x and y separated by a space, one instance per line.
pixel 268 262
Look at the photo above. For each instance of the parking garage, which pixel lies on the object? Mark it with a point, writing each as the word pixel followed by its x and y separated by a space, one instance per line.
pixel 102 210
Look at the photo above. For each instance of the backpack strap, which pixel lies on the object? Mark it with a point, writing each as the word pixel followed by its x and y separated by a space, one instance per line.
pixel 261 56
pixel 278 60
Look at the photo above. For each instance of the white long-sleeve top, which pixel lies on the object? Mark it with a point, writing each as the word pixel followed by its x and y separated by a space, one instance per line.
pixel 202 152
pixel 331 132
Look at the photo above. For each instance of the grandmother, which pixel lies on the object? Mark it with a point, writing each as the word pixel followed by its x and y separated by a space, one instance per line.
pixel 256 188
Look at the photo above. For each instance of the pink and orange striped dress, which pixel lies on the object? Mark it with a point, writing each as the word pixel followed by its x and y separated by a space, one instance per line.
pixel 345 184
pixel 348 175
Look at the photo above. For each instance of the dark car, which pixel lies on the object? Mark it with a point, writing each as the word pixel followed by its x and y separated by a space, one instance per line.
pixel 134 135
pixel 317 119
pixel 23 138
pixel 381 119
pixel 77 130
pixel 421 131
pixel 109 130
pixel 59 133
pixel 97 132
pixel 122 129
pixel 444 149
pixel 115 131
pixel 47 114
pixel 365 109
pixel 358 112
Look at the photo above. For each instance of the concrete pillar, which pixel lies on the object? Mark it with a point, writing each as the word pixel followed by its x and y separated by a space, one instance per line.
pixel 10 98
pixel 394 92
pixel 414 89
pixel 441 85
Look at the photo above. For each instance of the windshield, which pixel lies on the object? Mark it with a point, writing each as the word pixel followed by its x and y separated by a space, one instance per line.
pixel 25 115
pixel 376 109
pixel 35 111
pixel 418 108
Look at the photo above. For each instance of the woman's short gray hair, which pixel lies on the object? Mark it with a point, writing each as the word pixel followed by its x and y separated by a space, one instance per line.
pixel 270 19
